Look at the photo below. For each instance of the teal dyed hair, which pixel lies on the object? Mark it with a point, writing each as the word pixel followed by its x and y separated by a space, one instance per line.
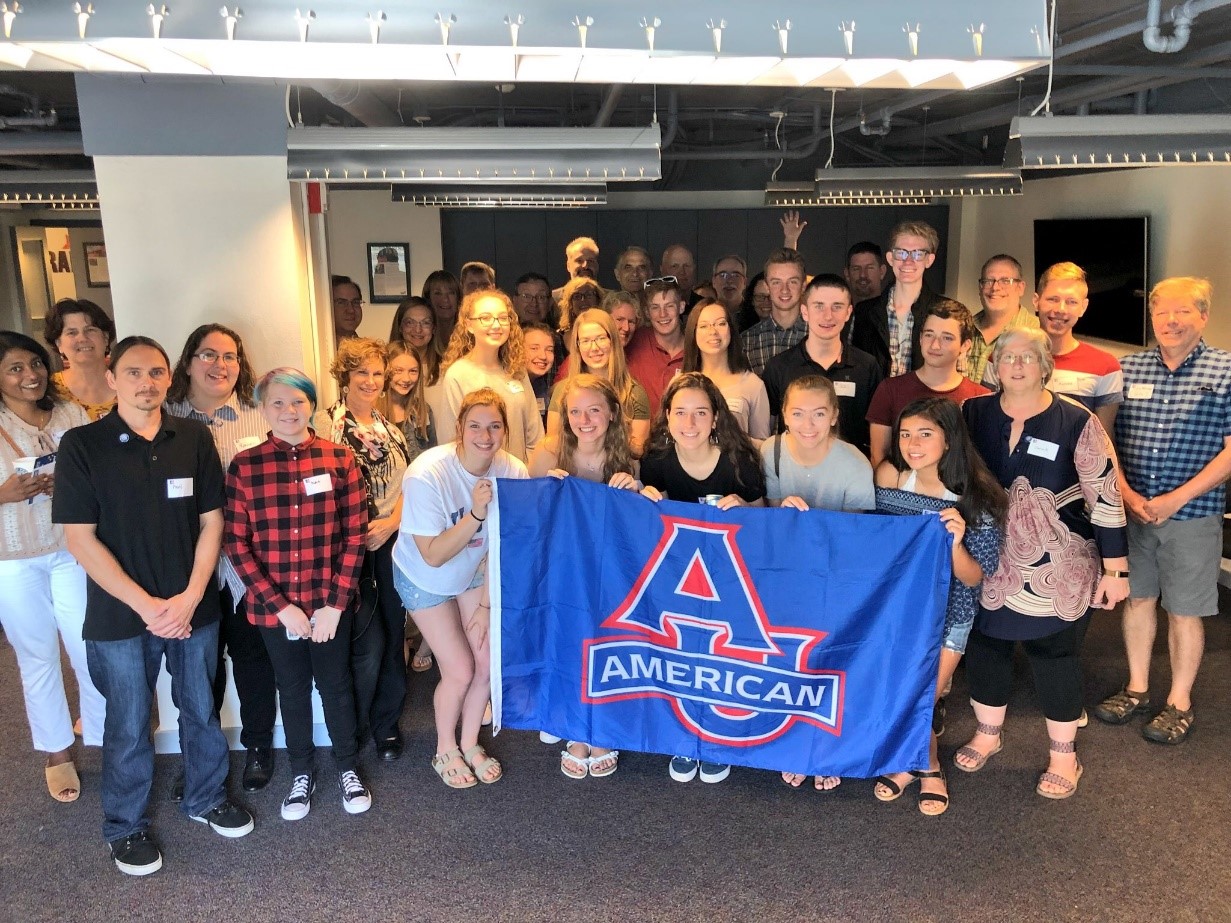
pixel 292 378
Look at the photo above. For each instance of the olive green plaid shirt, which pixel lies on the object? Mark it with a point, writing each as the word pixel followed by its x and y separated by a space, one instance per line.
pixel 981 350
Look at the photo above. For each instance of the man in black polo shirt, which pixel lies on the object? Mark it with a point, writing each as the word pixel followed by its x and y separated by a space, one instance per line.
pixel 825 308
pixel 140 496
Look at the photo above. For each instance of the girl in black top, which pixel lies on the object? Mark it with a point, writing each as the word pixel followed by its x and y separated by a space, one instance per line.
pixel 699 454
pixel 697 449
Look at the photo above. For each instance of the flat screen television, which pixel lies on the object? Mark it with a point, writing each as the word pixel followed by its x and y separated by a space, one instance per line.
pixel 1114 252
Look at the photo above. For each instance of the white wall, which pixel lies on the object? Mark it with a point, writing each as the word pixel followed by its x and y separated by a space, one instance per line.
pixel 193 240
pixel 1186 207
pixel 354 219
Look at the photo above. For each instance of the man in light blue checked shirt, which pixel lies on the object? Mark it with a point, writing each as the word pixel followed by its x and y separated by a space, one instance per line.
pixel 1173 433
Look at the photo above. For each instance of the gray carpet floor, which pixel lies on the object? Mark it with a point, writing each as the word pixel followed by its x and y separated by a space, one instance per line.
pixel 1146 838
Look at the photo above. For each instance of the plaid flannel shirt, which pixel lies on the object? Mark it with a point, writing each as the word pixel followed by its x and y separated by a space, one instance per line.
pixel 296 519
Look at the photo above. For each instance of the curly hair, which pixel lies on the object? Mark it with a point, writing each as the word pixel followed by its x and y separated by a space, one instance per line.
pixel 617 364
pixel 512 354
pixel 415 403
pixel 244 383
pixel 736 360
pixel 352 353
pixel 617 453
pixel 13 339
pixel 571 288
pixel 728 435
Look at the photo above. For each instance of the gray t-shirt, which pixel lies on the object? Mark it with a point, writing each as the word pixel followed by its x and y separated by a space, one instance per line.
pixel 842 481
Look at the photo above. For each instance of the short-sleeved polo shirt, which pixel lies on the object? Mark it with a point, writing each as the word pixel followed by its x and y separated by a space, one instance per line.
pixel 1173 423
pixel 145 498
pixel 855 377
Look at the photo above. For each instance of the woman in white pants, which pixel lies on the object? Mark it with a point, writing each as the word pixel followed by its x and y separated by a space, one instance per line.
pixel 41 585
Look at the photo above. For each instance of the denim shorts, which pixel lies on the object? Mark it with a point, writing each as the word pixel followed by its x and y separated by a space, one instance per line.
pixel 956 635
pixel 416 599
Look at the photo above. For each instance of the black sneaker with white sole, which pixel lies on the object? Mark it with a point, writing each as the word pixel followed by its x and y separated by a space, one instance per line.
pixel 298 802
pixel 355 795
pixel 136 854
pixel 229 820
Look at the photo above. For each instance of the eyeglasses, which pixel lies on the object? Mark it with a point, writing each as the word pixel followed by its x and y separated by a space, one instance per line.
pixel 591 342
pixel 760 298
pixel 903 255
pixel 727 275
pixel 530 296
pixel 209 357
pixel 1023 359
pixel 672 279
pixel 714 325
pixel 348 302
pixel 1002 282
pixel 493 320
pixel 418 324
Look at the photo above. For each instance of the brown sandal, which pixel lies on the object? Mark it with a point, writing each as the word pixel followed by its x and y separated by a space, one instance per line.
pixel 63 778
pixel 979 760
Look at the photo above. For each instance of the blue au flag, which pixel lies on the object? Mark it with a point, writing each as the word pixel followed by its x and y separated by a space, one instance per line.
pixel 804 642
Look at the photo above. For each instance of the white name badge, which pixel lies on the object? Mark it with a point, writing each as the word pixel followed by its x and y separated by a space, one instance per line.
pixel 1043 449
pixel 515 387
pixel 247 442
pixel 1141 391
pixel 179 487
pixel 317 484
pixel 844 388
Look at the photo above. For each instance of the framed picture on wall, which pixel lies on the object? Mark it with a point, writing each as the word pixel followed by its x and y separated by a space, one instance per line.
pixel 96 273
pixel 388 266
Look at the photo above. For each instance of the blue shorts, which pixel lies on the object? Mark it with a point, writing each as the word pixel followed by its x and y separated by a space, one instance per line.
pixel 416 599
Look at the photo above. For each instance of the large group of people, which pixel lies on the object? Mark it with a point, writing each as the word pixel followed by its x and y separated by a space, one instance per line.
pixel 155 512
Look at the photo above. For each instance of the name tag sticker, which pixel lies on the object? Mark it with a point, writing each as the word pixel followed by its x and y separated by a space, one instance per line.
pixel 844 388
pixel 247 442
pixel 179 487
pixel 515 387
pixel 317 484
pixel 1043 449
pixel 1140 391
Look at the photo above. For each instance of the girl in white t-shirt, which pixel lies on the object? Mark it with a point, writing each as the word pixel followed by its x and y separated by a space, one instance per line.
pixel 440 574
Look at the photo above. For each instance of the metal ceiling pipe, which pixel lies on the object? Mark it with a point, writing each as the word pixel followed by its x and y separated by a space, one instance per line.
pixel 1090 92
pixel 608 108
pixel 1181 19
pixel 673 118
pixel 366 107
pixel 807 149
pixel 42 144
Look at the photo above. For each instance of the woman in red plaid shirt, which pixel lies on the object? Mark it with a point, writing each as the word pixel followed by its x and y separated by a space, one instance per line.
pixel 296 520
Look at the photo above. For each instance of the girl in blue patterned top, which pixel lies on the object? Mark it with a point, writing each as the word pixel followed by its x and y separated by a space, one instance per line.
pixel 933 468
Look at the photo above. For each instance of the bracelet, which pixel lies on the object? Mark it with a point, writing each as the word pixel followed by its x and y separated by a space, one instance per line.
pixel 1114 573
pixel 476 518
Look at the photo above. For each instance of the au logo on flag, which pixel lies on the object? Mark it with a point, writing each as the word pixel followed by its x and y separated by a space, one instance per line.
pixel 692 630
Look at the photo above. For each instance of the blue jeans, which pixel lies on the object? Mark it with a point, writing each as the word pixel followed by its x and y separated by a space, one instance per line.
pixel 126 672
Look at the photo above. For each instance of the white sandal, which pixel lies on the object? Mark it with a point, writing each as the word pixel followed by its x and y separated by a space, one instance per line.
pixel 573 766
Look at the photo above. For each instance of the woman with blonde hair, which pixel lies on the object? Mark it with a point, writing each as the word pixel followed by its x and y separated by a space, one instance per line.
pixel 595 340
pixel 404 402
pixel 578 295
pixel 487 351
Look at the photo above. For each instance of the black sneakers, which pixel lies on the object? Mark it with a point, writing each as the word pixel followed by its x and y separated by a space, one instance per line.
pixel 297 804
pixel 355 795
pixel 229 820
pixel 136 854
